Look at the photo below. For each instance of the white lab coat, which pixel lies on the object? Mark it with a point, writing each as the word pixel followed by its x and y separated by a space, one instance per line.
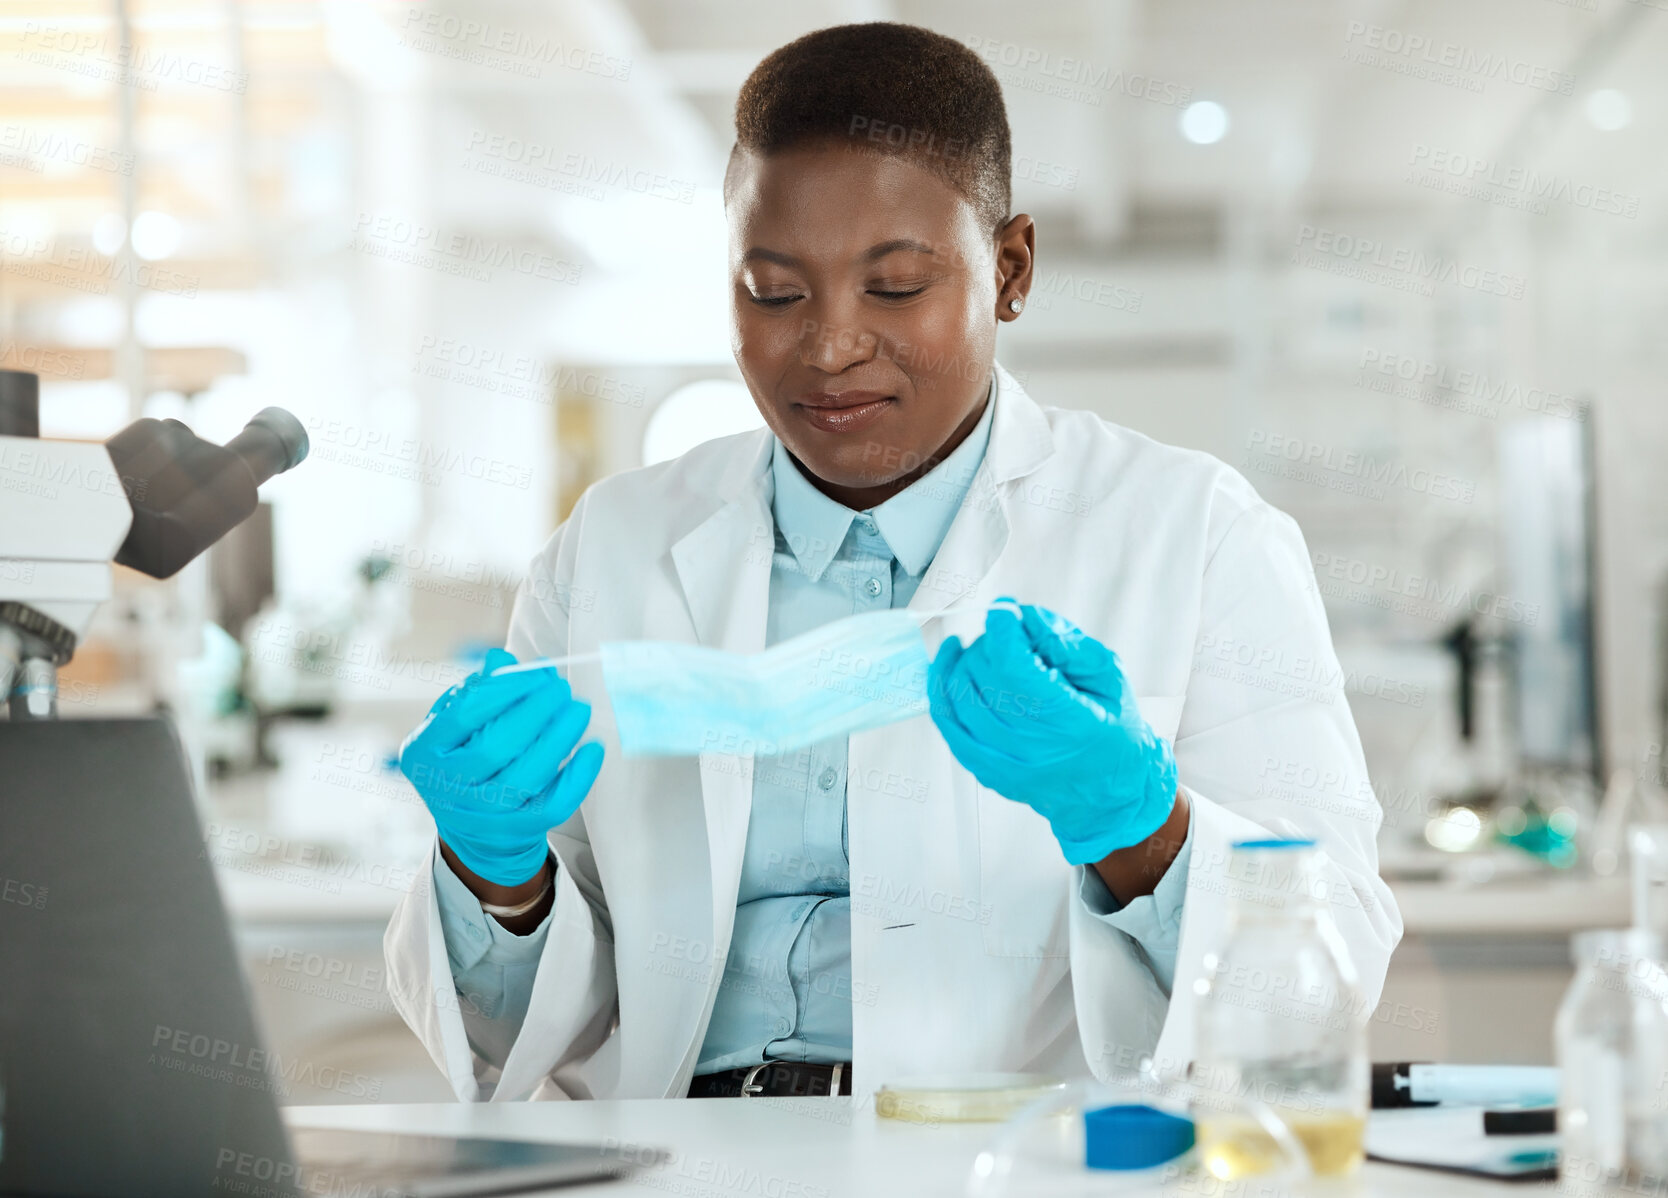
pixel 970 950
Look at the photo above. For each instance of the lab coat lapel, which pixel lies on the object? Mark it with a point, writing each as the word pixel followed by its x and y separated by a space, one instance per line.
pixel 723 563
pixel 1020 440
pixel 723 566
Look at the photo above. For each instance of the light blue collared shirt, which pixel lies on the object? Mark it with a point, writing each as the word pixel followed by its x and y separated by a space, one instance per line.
pixel 786 991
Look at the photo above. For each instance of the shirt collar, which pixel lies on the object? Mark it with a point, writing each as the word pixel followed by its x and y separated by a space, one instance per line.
pixel 913 522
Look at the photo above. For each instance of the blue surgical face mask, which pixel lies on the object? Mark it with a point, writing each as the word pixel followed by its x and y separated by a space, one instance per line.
pixel 671 698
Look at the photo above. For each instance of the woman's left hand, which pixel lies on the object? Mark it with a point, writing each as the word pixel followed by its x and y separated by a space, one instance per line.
pixel 1040 712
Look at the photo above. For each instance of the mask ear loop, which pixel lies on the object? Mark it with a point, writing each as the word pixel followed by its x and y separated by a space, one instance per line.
pixel 540 663
pixel 547 663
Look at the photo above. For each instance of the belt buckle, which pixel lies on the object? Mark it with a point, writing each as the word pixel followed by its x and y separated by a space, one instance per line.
pixel 749 1087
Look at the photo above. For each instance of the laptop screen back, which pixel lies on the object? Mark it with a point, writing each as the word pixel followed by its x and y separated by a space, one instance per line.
pixel 128 1052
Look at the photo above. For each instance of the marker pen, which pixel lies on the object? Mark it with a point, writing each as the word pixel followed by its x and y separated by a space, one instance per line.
pixel 1408 1084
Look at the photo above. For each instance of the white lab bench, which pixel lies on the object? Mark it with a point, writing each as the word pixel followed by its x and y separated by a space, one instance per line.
pixel 1481 968
pixel 792 1148
pixel 1537 906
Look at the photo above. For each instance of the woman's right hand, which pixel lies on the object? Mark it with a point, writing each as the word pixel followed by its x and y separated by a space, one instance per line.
pixel 492 762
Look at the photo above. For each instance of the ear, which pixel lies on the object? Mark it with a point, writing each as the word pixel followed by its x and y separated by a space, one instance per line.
pixel 1016 250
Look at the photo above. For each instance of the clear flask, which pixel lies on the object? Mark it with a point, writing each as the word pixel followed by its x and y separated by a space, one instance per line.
pixel 1612 1041
pixel 1281 1020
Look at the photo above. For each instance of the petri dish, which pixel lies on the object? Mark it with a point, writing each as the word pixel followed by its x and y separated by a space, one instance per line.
pixel 962 1097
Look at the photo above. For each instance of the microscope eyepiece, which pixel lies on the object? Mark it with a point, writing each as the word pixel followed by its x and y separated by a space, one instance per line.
pixel 187 493
pixel 272 442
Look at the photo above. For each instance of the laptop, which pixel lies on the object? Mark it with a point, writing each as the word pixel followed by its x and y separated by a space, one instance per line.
pixel 129 1059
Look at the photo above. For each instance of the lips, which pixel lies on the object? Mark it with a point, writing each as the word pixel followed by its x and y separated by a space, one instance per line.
pixel 843 411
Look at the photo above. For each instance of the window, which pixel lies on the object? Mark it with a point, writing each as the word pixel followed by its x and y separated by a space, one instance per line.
pixel 698 412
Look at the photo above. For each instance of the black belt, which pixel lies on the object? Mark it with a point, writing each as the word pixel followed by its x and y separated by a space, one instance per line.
pixel 774 1079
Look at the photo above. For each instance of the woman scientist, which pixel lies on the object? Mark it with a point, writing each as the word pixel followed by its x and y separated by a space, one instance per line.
pixel 1025 878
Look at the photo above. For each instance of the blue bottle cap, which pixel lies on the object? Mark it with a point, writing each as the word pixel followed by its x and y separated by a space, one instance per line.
pixel 1134 1136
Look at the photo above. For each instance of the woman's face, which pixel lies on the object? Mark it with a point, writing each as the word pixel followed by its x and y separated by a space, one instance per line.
pixel 865 295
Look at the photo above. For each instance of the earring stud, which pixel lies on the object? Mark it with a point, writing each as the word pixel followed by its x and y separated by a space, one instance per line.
pixel 1016 304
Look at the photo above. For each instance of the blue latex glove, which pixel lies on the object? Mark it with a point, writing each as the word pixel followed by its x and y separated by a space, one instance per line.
pixel 489 762
pixel 1040 712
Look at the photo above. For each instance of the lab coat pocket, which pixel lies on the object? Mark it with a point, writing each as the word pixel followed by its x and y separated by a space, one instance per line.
pixel 1025 884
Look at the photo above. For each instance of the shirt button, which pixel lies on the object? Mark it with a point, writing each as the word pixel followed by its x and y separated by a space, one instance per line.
pixel 475 932
pixel 783 1027
pixel 827 778
pixel 872 586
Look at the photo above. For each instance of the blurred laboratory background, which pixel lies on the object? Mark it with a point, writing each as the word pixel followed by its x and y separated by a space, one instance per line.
pixel 1402 262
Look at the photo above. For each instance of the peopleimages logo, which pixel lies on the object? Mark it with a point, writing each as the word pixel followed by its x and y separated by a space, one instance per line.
pixel 520 376
pixel 180 1050
pixel 28 148
pixel 1325 247
pixel 1071 77
pixel 1395 584
pixel 58 363
pixel 407 457
pixel 501 47
pixel 1491 392
pixel 82 268
pixel 1420 56
pixel 1315 460
pixel 534 162
pixel 411 242
pixel 99 56
pixel 1511 185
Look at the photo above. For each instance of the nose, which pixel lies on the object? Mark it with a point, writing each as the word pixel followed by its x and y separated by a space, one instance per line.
pixel 832 338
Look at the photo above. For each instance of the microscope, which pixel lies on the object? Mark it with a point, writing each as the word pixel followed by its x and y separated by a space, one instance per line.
pixel 101 847
pixel 152 498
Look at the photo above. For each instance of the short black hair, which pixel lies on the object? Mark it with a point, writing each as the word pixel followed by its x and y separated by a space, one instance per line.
pixel 887 88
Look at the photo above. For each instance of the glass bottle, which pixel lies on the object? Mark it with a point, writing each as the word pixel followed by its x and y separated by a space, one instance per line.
pixel 1648 848
pixel 1281 1022
pixel 1612 1043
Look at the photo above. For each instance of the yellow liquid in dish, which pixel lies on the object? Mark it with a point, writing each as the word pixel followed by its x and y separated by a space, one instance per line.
pixel 1239 1147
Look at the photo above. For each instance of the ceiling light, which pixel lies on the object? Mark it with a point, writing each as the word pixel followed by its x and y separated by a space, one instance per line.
pixel 1204 122
pixel 1609 110
pixel 155 235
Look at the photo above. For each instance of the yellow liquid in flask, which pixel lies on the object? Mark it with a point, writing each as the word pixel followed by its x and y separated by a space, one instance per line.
pixel 1239 1147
